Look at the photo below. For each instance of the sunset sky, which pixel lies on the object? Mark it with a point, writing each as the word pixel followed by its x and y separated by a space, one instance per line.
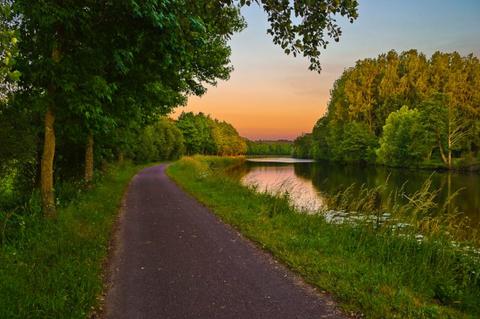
pixel 274 96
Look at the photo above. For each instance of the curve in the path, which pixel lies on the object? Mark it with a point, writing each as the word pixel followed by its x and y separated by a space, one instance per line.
pixel 175 259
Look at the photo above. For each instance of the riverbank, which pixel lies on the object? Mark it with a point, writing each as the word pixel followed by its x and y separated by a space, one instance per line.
pixel 53 268
pixel 370 271
pixel 459 165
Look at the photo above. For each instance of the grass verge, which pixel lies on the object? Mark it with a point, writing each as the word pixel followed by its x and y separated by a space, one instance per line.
pixel 52 268
pixel 371 272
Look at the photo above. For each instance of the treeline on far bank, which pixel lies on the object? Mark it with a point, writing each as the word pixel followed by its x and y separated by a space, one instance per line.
pixel 269 147
pixel 191 134
pixel 402 110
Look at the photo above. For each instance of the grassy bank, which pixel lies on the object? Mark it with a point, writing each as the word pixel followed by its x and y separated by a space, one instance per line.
pixel 369 270
pixel 52 268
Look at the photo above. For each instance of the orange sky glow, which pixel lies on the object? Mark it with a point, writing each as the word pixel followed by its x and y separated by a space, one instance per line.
pixel 274 96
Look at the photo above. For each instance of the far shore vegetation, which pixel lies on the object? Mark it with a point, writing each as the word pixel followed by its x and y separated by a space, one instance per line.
pixel 269 147
pixel 410 265
pixel 403 110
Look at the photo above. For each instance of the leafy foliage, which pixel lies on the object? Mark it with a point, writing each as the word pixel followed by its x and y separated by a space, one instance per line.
pixel 204 135
pixel 159 141
pixel 8 51
pixel 302 146
pixel 299 27
pixel 439 122
pixel 403 139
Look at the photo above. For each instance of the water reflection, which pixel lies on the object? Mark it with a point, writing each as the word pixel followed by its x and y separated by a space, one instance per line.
pixel 280 179
pixel 309 183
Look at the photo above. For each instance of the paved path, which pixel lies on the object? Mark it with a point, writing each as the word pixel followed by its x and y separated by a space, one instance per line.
pixel 175 259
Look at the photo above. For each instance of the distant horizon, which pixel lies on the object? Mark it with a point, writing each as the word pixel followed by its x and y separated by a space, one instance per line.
pixel 272 96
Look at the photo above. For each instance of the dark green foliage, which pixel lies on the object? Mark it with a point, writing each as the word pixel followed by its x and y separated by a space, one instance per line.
pixel 357 143
pixel 264 147
pixel 159 141
pixel 204 135
pixel 403 139
pixel 302 146
pixel 197 132
pixel 441 124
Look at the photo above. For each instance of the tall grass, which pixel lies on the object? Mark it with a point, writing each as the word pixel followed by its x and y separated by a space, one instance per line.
pixel 372 268
pixel 419 214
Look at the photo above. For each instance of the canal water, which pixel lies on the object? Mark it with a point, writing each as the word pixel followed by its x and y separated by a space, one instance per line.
pixel 308 183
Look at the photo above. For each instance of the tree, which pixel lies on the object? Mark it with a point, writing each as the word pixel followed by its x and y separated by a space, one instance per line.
pixel 204 135
pixel 360 91
pixel 403 139
pixel 302 146
pixel 159 141
pixel 227 139
pixel 358 143
pixel 320 147
pixel 265 147
pixel 315 18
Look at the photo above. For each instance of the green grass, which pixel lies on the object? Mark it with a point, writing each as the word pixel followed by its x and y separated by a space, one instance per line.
pixel 369 271
pixel 52 268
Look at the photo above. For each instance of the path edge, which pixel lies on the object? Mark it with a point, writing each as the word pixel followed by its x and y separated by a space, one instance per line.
pixel 114 251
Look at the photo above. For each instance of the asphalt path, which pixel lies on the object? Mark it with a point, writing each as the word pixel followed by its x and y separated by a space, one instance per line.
pixel 174 259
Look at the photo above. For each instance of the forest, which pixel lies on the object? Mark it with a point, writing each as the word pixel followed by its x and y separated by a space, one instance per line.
pixel 403 110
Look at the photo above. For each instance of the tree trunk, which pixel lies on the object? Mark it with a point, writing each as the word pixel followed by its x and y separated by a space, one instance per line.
pixel 429 156
pixel 48 155
pixel 449 192
pixel 46 173
pixel 89 160
pixel 449 159
pixel 442 153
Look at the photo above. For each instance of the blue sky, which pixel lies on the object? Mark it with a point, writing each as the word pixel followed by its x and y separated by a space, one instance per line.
pixel 271 95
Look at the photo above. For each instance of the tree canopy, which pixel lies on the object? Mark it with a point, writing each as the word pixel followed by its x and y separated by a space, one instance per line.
pixel 408 109
pixel 204 135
